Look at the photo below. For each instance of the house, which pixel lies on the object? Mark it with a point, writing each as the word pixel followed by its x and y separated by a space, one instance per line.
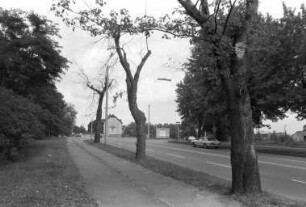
pixel 114 126
pixel 299 136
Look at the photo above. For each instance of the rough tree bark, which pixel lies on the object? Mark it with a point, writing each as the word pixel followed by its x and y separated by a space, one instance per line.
pixel 245 173
pixel 98 125
pixel 132 85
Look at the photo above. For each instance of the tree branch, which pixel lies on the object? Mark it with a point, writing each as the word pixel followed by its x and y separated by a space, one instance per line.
pixel 93 88
pixel 216 15
pixel 228 16
pixel 140 66
pixel 200 16
pixel 122 58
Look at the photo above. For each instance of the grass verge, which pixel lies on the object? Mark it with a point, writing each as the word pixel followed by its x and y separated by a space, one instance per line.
pixel 45 176
pixel 200 180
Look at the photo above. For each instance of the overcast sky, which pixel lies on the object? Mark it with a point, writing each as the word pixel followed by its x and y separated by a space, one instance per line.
pixel 165 61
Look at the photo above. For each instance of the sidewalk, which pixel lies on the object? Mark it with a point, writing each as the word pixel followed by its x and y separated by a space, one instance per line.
pixel 117 182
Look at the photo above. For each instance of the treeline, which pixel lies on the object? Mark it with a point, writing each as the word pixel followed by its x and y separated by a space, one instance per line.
pixel 31 107
pixel 175 130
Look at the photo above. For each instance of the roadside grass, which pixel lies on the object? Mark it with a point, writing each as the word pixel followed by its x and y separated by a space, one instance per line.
pixel 200 180
pixel 45 176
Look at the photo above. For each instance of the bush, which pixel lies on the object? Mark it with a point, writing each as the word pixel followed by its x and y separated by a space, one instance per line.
pixel 19 121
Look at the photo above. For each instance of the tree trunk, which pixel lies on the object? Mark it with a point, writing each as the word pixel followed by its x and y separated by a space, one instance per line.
pixel 139 118
pixel 245 173
pixel 98 125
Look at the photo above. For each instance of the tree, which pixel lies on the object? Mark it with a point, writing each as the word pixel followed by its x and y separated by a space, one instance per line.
pixel 114 26
pixel 20 119
pixel 68 120
pixel 29 55
pixel 30 63
pixel 230 50
pixel 274 81
pixel 79 129
pixel 100 90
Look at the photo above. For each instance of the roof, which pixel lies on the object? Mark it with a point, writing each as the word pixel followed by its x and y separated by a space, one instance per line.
pixel 300 133
pixel 112 115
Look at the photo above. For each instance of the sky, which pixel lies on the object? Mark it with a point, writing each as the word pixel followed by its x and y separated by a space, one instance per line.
pixel 167 56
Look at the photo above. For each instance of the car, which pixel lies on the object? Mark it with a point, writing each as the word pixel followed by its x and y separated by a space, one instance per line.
pixel 207 142
pixel 191 139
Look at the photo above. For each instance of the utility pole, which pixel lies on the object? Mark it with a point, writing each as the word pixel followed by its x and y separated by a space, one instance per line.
pixel 304 58
pixel 149 121
pixel 91 128
pixel 106 103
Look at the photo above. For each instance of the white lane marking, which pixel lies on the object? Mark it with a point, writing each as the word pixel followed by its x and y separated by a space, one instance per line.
pixel 174 155
pixel 222 165
pixel 224 156
pixel 298 181
pixel 293 160
pixel 196 152
pixel 281 165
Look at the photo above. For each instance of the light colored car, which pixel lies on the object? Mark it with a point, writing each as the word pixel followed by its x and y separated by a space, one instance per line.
pixel 207 142
pixel 191 139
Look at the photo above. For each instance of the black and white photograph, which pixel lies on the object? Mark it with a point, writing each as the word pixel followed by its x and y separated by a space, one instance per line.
pixel 152 103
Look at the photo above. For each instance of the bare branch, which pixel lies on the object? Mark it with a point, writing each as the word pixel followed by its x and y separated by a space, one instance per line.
pixel 228 16
pixel 93 88
pixel 122 58
pixel 140 66
pixel 216 15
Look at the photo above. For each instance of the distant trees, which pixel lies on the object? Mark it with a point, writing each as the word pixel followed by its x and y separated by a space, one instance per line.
pixel 30 63
pixel 131 131
pixel 79 129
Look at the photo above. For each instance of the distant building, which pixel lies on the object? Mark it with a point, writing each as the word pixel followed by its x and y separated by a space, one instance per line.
pixel 162 133
pixel 114 126
pixel 299 136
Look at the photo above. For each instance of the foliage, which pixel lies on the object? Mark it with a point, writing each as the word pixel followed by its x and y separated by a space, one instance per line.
pixel 30 63
pixel 274 81
pixel 79 129
pixel 29 55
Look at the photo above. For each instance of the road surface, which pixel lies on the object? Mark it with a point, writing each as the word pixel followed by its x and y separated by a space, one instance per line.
pixel 282 175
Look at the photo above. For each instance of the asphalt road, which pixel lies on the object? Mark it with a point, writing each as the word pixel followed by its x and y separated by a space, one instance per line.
pixel 282 175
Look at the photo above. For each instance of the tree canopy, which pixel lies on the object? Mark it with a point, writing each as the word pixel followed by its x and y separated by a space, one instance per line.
pixel 30 64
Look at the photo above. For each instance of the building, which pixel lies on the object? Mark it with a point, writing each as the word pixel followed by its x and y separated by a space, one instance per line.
pixel 299 136
pixel 114 126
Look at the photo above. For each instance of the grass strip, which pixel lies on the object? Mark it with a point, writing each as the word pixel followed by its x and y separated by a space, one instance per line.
pixel 200 180
pixel 45 176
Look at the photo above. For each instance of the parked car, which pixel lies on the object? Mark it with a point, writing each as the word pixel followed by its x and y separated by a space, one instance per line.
pixel 191 139
pixel 207 142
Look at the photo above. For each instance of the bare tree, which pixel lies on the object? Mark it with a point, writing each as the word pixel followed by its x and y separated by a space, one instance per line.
pixel 114 27
pixel 100 90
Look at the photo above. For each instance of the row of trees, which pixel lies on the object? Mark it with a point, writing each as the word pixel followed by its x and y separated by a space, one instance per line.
pixel 131 131
pixel 30 64
pixel 226 63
